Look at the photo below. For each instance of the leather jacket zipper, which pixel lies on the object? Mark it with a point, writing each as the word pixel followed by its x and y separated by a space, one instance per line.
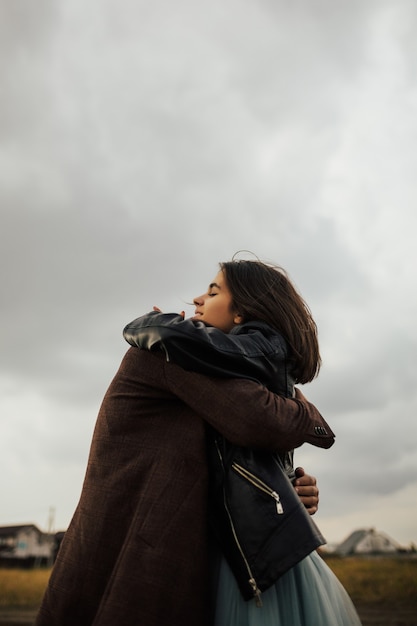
pixel 256 591
pixel 259 484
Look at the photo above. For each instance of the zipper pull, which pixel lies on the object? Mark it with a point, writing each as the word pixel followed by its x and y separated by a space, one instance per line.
pixel 280 509
pixel 256 592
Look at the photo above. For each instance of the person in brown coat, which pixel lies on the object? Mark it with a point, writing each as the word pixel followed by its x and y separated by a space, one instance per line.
pixel 136 550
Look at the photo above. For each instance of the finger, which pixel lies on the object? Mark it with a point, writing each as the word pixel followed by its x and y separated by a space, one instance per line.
pixel 309 491
pixel 311 504
pixel 155 308
pixel 299 471
pixel 306 481
pixel 312 509
pixel 309 498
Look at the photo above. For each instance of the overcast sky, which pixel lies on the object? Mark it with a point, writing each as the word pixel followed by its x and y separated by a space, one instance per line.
pixel 142 143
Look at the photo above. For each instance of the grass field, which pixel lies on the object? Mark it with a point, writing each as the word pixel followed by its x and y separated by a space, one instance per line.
pixel 378 580
pixel 369 581
pixel 22 588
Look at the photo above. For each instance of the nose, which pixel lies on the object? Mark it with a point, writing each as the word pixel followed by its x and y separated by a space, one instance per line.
pixel 198 301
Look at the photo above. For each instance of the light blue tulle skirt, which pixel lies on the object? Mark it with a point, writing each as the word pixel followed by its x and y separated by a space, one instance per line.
pixel 307 595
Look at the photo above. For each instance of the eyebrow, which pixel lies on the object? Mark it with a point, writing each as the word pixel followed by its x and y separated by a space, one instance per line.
pixel 214 285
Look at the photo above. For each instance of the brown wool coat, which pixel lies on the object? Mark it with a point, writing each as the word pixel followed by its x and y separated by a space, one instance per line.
pixel 135 553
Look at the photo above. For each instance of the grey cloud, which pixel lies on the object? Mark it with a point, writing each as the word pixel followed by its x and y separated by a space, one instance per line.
pixel 142 145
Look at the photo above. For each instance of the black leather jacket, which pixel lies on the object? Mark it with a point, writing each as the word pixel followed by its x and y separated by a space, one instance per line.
pixel 257 352
pixel 252 350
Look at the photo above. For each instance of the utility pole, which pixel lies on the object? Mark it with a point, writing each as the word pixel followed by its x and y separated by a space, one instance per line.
pixel 51 520
pixel 51 540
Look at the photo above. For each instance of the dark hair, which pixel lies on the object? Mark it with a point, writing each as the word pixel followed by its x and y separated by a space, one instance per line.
pixel 265 293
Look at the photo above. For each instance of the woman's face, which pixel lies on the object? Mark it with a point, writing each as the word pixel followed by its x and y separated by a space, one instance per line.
pixel 215 306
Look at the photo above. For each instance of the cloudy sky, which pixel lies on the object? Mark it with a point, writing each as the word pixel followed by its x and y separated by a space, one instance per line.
pixel 143 142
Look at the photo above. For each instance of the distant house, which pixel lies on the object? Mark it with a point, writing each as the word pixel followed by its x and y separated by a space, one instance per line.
pixel 26 545
pixel 368 541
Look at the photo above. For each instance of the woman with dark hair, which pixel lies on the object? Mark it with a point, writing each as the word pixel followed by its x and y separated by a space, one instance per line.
pixel 265 293
pixel 252 323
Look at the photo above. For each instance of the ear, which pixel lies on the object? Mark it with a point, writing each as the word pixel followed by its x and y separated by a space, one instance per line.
pixel 238 319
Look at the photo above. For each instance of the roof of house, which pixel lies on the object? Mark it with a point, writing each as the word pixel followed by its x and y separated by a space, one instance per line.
pixel 368 540
pixel 13 530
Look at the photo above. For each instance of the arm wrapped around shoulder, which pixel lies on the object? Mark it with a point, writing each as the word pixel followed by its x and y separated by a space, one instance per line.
pixel 248 414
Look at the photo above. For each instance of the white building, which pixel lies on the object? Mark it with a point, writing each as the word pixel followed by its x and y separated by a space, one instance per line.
pixel 25 543
pixel 368 541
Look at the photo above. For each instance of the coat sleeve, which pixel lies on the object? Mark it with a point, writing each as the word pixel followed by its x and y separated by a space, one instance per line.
pixel 247 414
